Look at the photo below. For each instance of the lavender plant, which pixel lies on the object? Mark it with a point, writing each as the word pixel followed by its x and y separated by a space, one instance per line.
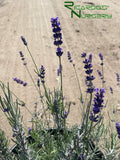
pixel 39 141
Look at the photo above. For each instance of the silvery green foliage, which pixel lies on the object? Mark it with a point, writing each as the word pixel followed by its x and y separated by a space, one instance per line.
pixel 4 150
pixel 15 120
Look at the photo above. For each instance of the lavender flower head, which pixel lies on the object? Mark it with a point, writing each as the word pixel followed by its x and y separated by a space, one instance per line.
pixel 90 58
pixel 38 82
pixel 89 70
pixel 56 30
pixel 118 79
pixel 100 74
pixel 20 81
pixel 21 54
pixel 69 56
pixel 57 35
pixel 42 74
pixel 98 104
pixel 22 57
pixel 101 56
pixel 111 90
pixel 24 41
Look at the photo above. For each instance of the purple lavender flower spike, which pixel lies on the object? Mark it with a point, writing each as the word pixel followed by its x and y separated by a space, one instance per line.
pixel 118 79
pixel 42 74
pixel 99 73
pixel 69 57
pixel 98 104
pixel 22 57
pixel 24 41
pixel 90 58
pixel 89 70
pixel 38 82
pixel 19 81
pixel 98 99
pixel 101 56
pixel 21 54
pixel 57 35
pixel 111 90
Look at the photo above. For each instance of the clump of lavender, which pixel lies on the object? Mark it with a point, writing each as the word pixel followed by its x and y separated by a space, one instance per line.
pixel 89 70
pixel 42 74
pixel 20 81
pixel 118 129
pixel 98 104
pixel 118 79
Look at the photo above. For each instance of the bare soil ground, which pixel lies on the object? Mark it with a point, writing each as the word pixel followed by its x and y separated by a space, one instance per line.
pixel 32 20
